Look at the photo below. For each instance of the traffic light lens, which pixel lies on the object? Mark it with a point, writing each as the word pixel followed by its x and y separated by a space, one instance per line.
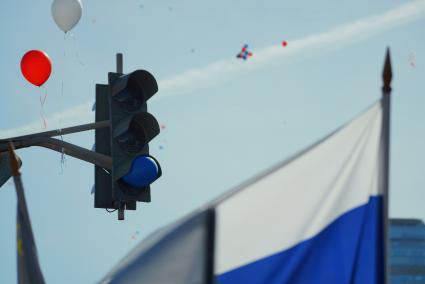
pixel 131 142
pixel 129 99
pixel 143 172
pixel 133 90
pixel 142 128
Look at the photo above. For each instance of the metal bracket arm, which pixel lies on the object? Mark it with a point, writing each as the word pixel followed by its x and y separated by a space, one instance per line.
pixel 60 146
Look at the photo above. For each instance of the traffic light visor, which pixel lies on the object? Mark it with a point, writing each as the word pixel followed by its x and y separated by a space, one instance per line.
pixel 133 134
pixel 131 91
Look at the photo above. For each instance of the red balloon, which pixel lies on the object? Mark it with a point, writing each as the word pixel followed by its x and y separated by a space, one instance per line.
pixel 36 67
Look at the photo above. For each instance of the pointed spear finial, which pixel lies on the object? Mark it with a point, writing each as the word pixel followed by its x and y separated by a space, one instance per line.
pixel 387 73
pixel 14 160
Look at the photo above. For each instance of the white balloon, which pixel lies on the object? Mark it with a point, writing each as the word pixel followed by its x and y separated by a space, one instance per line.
pixel 66 13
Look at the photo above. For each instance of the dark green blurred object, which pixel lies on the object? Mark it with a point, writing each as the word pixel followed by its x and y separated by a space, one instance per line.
pixel 5 172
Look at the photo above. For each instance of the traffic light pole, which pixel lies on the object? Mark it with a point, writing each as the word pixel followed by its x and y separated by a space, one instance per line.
pixel 119 63
pixel 43 139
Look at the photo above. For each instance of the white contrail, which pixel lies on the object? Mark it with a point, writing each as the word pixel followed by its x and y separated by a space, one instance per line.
pixel 222 70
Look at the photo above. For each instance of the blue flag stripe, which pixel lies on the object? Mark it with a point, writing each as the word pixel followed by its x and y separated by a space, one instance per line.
pixel 349 250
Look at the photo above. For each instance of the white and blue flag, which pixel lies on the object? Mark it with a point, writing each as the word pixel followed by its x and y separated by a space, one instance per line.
pixel 316 218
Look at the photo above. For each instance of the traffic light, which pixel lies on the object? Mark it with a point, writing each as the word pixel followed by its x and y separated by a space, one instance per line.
pixel 124 103
pixel 132 128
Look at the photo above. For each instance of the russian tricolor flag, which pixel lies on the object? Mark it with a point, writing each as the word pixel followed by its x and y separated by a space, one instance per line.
pixel 315 218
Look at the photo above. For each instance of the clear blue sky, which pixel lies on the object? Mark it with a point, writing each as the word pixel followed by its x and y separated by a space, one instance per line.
pixel 225 119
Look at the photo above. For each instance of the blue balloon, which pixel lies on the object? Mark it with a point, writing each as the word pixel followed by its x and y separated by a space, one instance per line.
pixel 143 172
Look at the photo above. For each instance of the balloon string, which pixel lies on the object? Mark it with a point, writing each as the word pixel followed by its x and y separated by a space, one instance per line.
pixel 64 40
pixel 78 58
pixel 63 158
pixel 76 50
pixel 42 101
pixel 43 120
pixel 62 82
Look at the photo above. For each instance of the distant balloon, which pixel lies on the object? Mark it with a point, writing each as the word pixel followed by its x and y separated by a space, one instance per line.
pixel 244 53
pixel 36 67
pixel 284 43
pixel 66 13
pixel 412 59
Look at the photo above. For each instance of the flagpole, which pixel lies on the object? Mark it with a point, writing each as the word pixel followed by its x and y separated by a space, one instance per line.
pixel 28 267
pixel 386 106
pixel 14 165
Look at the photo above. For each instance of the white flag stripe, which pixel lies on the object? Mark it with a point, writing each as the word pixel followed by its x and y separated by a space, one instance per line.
pixel 300 199
pixel 175 254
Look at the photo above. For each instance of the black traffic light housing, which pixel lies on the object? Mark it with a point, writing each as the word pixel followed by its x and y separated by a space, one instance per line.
pixel 132 127
pixel 123 101
pixel 102 177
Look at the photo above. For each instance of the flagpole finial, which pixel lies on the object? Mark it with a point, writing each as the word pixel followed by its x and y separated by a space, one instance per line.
pixel 387 73
pixel 14 163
